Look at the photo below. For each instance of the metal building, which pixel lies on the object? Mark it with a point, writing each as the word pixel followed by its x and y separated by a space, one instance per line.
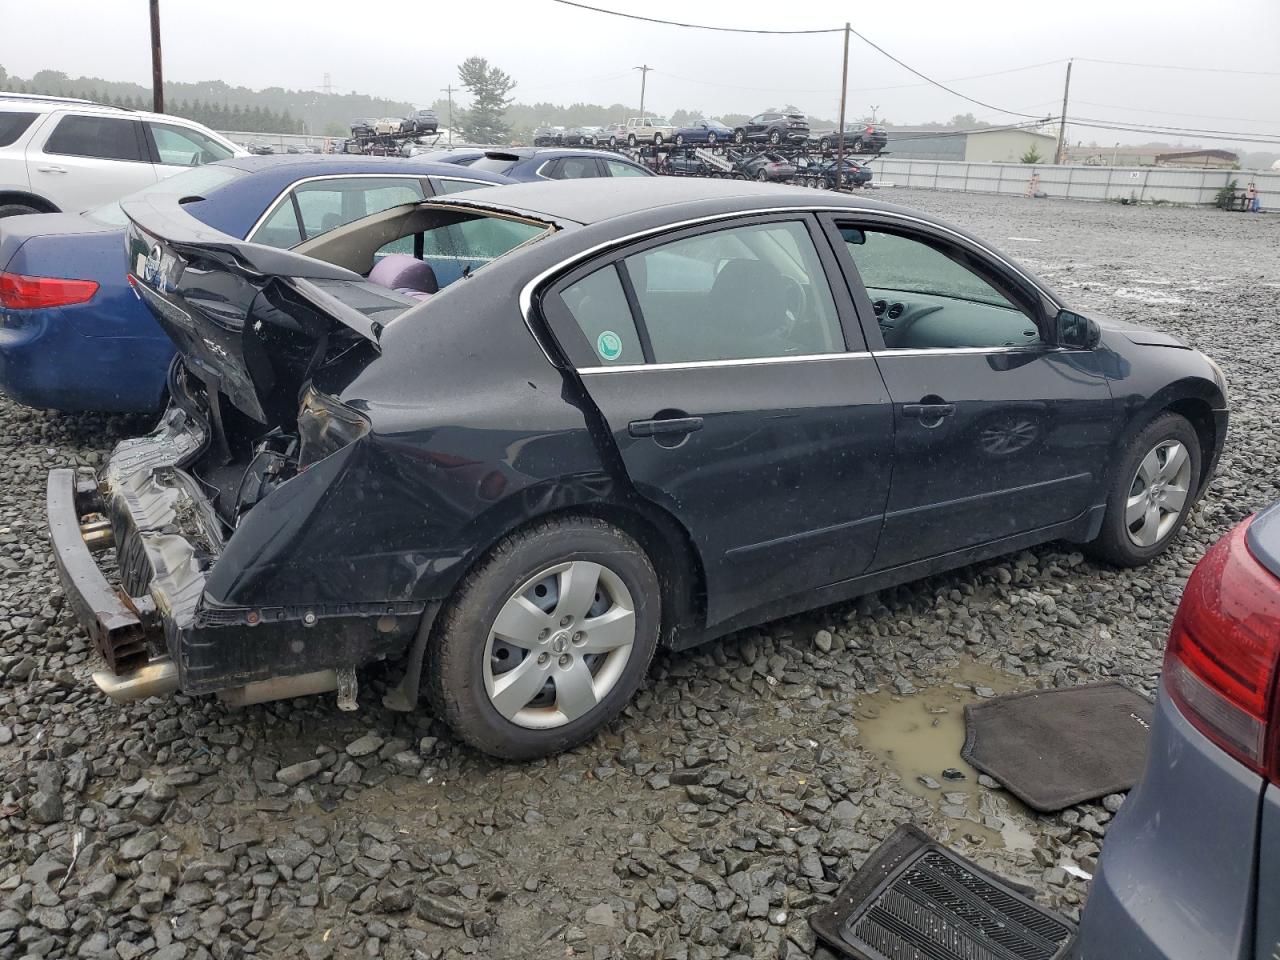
pixel 998 145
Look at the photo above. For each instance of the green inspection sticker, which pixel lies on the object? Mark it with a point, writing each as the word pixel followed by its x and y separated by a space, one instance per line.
pixel 609 345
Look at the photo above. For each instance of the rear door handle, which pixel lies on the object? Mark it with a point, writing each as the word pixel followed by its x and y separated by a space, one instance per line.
pixel 928 411
pixel 52 169
pixel 676 426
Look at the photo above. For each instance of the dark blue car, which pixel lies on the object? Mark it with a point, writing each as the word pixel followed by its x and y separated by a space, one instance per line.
pixel 73 335
pixel 709 132
pixel 534 163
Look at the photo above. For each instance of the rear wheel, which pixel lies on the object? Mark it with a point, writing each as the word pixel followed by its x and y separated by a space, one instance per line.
pixel 1152 492
pixel 546 640
pixel 658 139
pixel 679 139
pixel 16 209
pixel 856 146
pixel 824 144
pixel 711 139
pixel 775 137
pixel 762 177
pixel 631 140
pixel 739 136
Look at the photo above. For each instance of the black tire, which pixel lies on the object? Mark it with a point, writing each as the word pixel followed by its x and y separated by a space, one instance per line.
pixel 739 136
pixel 631 140
pixel 1113 543
pixel 775 137
pixel 711 139
pixel 17 209
pixel 762 176
pixel 454 674
pixel 679 139
pixel 658 139
pixel 613 141
pixel 824 145
pixel 856 146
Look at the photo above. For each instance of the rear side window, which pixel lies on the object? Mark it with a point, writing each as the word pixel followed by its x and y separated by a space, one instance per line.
pixel 104 138
pixel 573 168
pixel 598 305
pixel 745 293
pixel 325 205
pixel 13 125
pixel 620 169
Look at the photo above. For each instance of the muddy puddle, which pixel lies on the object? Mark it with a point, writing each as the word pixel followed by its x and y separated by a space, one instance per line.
pixel 918 737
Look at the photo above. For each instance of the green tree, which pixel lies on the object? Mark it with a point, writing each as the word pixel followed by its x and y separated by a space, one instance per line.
pixel 1031 156
pixel 489 87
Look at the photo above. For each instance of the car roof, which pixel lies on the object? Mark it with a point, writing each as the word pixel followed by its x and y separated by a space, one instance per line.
pixel 42 103
pixel 596 199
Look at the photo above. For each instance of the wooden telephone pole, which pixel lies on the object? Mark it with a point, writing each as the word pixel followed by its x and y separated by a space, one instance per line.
pixel 1061 155
pixel 844 84
pixel 644 75
pixel 157 74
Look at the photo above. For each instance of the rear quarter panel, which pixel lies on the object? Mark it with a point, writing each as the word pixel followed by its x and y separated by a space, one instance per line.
pixel 1268 909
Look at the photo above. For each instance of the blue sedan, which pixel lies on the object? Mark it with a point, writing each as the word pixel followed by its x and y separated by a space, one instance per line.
pixel 709 132
pixel 535 163
pixel 74 336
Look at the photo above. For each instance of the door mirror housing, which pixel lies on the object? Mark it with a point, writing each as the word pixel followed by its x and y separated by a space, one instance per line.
pixel 1077 331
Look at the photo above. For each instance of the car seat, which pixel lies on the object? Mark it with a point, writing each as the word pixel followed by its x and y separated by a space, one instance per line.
pixel 406 275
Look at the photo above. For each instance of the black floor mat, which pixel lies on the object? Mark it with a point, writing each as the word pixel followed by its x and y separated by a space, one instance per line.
pixel 916 900
pixel 1055 748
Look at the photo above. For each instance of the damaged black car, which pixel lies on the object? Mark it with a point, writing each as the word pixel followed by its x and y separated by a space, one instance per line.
pixel 515 440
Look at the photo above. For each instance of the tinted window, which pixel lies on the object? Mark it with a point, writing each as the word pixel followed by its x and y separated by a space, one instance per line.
pixel 748 292
pixel 446 185
pixel 491 164
pixel 328 204
pixel 189 183
pixel 13 125
pixel 599 307
pixel 619 169
pixel 932 296
pixel 179 146
pixel 281 228
pixel 573 168
pixel 107 138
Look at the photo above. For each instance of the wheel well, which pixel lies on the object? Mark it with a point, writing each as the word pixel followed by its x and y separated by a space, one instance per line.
pixel 30 199
pixel 1200 414
pixel 675 558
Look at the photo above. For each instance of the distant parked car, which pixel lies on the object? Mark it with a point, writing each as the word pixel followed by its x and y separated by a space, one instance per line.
pixel 72 334
pixel 764 167
pixel 655 130
pixel 1191 865
pixel 855 175
pixel 685 166
pixel 420 121
pixel 546 137
pixel 773 128
pixel 573 137
pixel 531 163
pixel 362 127
pixel 260 149
pixel 591 135
pixel 859 139
pixel 709 132
pixel 62 154
pixel 613 134
pixel 386 125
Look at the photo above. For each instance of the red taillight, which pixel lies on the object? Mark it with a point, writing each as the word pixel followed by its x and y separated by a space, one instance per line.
pixel 1224 652
pixel 30 293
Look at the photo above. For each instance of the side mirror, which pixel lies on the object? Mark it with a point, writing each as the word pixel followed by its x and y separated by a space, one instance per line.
pixel 1077 331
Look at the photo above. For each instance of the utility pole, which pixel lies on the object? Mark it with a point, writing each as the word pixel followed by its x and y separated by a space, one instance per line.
pixel 1061 155
pixel 644 75
pixel 844 85
pixel 875 108
pixel 449 90
pixel 157 75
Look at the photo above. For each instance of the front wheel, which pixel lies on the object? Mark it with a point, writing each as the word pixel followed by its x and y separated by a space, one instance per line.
pixel 711 139
pixel 775 137
pixel 824 145
pixel 739 136
pixel 679 140
pixel 546 640
pixel 658 139
pixel 631 140
pixel 1152 491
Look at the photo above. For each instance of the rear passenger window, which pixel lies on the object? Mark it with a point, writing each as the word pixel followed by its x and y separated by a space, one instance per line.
pixel 328 204
pixel 573 168
pixel 13 125
pixel 599 307
pixel 744 293
pixel 105 138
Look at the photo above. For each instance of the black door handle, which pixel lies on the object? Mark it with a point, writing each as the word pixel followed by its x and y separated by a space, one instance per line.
pixel 928 411
pixel 676 426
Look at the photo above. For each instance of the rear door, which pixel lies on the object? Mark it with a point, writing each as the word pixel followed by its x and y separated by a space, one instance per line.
pixel 999 432
pixel 738 400
pixel 81 161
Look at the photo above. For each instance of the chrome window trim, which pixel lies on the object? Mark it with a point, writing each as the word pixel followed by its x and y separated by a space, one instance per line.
pixel 433 177
pixel 284 194
pixel 528 291
pixel 736 362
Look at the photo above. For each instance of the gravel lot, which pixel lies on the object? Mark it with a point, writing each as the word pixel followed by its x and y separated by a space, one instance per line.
pixel 748 780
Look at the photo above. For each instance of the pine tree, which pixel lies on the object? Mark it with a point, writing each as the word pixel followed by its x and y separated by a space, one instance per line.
pixel 489 87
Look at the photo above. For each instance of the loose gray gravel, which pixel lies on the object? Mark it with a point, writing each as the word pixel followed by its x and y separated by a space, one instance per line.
pixel 730 799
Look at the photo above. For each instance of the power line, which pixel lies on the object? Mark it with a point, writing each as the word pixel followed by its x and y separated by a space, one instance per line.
pixel 690 26
pixel 1170 113
pixel 1165 127
pixel 1183 66
pixel 1169 132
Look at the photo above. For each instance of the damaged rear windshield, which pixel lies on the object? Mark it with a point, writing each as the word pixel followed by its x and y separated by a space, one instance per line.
pixel 464 242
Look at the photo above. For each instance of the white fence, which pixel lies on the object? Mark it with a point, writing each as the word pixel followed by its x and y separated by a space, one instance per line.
pixel 1140 184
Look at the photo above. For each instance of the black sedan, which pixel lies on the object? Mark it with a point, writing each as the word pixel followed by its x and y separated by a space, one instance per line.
pixel 519 485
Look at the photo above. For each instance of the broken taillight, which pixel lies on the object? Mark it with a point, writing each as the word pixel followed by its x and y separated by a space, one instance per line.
pixel 1223 656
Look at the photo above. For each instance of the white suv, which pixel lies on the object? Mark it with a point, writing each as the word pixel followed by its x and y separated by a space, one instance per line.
pixel 59 154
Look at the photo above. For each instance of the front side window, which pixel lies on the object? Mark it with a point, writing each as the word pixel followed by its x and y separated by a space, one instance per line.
pixel 619 169
pixel 929 296
pixel 103 138
pixel 743 293
pixel 182 147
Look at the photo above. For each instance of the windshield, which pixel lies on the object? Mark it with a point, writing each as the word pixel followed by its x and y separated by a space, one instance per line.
pixel 492 164
pixel 190 183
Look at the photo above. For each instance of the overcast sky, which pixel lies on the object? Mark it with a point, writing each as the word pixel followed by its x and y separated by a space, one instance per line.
pixel 409 49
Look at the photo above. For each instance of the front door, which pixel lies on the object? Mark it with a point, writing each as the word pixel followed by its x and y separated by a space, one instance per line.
pixel 719 362
pixel 999 431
